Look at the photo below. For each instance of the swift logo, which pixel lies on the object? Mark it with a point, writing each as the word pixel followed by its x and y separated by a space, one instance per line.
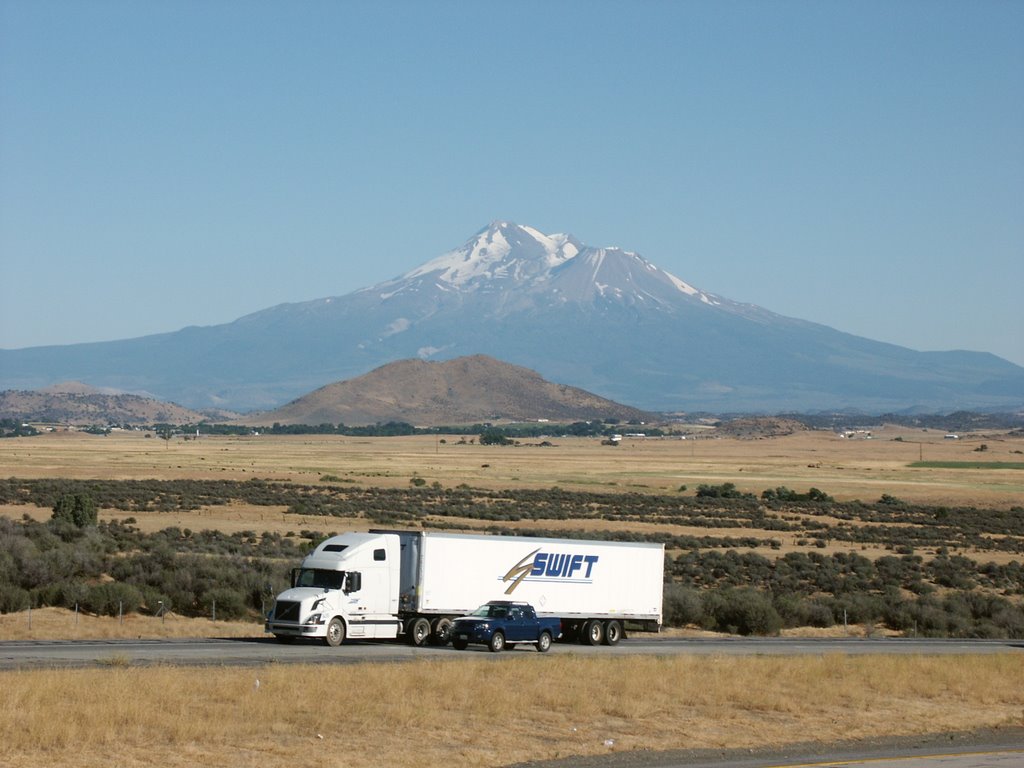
pixel 550 566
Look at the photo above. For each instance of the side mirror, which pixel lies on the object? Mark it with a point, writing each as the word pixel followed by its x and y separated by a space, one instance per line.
pixel 295 576
pixel 353 582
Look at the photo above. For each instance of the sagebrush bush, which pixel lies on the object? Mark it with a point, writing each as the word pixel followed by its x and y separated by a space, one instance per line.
pixel 682 606
pixel 112 598
pixel 741 611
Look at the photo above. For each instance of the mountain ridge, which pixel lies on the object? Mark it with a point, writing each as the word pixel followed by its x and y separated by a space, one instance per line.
pixel 80 404
pixel 605 319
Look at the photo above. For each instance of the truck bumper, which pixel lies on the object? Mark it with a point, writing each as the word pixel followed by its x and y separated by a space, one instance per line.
pixel 291 629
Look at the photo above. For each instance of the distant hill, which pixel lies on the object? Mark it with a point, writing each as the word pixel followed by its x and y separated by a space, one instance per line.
pixel 465 390
pixel 77 403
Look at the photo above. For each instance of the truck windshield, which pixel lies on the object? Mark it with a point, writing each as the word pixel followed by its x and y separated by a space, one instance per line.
pixel 317 577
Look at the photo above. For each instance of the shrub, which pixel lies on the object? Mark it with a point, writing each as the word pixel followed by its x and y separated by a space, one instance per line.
pixel 230 604
pixel 111 598
pixel 723 491
pixel 13 598
pixel 742 611
pixel 682 606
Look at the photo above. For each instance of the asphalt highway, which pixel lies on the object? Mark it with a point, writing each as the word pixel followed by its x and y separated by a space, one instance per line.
pixel 19 654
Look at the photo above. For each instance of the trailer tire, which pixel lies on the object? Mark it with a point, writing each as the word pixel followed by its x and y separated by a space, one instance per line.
pixel 460 645
pixel 612 632
pixel 419 631
pixel 497 644
pixel 544 642
pixel 441 631
pixel 335 632
pixel 593 632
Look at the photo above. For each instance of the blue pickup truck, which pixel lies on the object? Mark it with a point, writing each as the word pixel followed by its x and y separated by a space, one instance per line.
pixel 501 624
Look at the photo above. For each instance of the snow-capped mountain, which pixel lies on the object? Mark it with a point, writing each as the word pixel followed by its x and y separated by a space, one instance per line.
pixel 604 319
pixel 528 267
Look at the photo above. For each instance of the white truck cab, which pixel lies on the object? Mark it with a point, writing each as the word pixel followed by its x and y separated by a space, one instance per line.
pixel 346 587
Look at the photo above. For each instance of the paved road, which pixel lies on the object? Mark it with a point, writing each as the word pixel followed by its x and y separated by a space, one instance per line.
pixel 1002 759
pixel 998 748
pixel 199 652
pixel 989 758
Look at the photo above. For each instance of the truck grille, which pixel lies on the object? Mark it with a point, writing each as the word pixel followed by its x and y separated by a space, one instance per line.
pixel 286 610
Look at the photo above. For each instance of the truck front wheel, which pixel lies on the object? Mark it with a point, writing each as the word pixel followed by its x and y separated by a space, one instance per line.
pixel 544 642
pixel 497 644
pixel 335 632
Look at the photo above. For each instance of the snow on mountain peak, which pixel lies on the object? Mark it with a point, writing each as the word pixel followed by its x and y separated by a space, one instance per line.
pixel 504 256
pixel 502 250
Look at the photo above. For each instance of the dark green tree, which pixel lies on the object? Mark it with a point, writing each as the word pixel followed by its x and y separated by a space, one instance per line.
pixel 76 508
pixel 494 437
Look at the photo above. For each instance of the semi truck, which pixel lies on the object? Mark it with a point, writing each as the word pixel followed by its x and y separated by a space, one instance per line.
pixel 412 584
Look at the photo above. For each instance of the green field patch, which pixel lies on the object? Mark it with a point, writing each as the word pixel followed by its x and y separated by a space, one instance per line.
pixel 967 465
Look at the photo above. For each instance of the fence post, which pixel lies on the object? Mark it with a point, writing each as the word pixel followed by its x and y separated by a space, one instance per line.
pixel 76 614
pixel 214 610
pixel 30 617
pixel 120 611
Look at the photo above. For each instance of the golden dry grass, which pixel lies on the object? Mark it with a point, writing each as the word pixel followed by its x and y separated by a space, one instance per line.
pixel 489 714
pixel 847 469
pixel 63 624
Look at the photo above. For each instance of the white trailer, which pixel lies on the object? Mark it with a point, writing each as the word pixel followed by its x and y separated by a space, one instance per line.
pixel 384 584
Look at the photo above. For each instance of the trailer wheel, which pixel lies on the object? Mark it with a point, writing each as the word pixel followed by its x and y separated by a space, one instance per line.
pixel 612 632
pixel 544 642
pixel 593 632
pixel 419 631
pixel 441 631
pixel 497 644
pixel 335 632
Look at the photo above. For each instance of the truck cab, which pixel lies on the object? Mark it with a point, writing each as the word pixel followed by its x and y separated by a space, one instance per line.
pixel 346 587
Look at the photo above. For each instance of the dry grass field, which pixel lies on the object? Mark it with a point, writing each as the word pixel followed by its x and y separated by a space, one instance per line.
pixel 485 714
pixel 481 713
pixel 62 624
pixel 845 468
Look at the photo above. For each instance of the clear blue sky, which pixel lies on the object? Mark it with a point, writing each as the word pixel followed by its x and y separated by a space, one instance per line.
pixel 858 164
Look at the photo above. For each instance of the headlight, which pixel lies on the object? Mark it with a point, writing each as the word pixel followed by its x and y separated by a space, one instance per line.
pixel 316 618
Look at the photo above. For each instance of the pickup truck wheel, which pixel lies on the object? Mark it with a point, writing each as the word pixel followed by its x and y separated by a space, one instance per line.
pixel 441 631
pixel 335 632
pixel 544 642
pixel 419 631
pixel 497 644
pixel 593 632
pixel 612 632
pixel 460 645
